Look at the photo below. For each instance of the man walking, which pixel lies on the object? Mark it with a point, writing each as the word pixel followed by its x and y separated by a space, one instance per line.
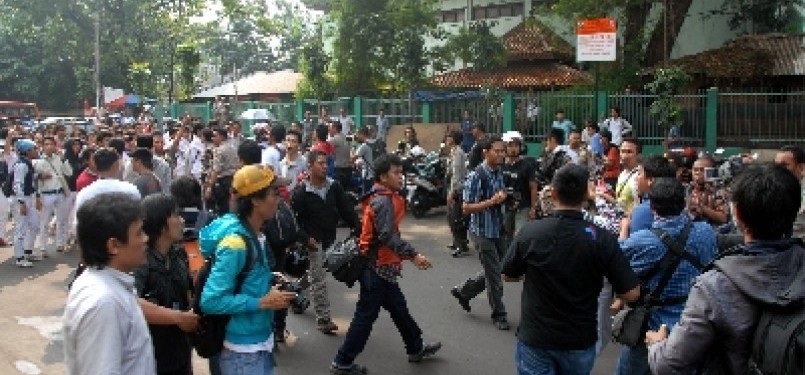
pixel 53 172
pixel 456 173
pixel 564 259
pixel 318 203
pixel 27 203
pixel 380 241
pixel 484 195
pixel 224 166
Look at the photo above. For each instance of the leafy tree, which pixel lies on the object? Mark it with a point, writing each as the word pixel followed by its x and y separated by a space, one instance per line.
pixel 668 83
pixel 314 65
pixel 189 59
pixel 763 15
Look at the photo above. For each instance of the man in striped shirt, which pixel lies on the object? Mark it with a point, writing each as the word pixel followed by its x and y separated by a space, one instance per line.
pixel 484 195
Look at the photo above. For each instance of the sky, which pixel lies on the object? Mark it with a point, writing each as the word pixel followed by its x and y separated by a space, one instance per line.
pixel 210 14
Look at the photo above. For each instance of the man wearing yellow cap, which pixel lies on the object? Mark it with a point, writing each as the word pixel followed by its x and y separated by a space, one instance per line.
pixel 248 341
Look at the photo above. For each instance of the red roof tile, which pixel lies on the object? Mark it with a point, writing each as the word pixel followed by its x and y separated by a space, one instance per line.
pixel 532 40
pixel 519 77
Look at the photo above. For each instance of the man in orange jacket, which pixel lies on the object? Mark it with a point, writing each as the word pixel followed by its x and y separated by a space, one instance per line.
pixel 383 210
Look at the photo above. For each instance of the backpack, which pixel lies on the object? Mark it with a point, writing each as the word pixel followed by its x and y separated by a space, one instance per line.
pixel 209 339
pixel 3 171
pixel 344 261
pixel 378 148
pixel 281 232
pixel 8 183
pixel 778 344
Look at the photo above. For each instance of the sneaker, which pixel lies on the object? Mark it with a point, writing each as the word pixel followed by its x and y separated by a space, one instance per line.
pixel 23 263
pixel 60 249
pixel 352 369
pixel 43 254
pixel 327 327
pixel 427 351
pixel 502 325
pixel 33 258
pixel 452 246
pixel 460 252
pixel 280 336
pixel 463 301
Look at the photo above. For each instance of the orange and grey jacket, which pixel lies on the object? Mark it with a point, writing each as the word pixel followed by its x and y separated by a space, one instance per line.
pixel 383 210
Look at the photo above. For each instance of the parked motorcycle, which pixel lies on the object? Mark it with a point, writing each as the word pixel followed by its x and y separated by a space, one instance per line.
pixel 426 186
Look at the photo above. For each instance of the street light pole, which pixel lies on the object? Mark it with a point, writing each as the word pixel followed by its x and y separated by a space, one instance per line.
pixel 98 61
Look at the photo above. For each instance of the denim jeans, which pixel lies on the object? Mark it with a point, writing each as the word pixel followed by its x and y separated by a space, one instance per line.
pixel 633 361
pixel 376 293
pixel 234 363
pixel 533 361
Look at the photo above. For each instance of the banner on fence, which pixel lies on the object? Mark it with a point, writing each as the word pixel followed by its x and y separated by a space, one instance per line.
pixel 596 40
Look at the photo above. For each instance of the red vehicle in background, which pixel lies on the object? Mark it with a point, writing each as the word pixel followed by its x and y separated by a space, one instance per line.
pixel 13 111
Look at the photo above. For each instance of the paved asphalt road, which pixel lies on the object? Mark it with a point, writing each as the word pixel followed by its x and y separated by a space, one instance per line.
pixel 32 300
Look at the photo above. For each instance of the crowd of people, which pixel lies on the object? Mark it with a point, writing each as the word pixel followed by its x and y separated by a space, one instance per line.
pixel 589 227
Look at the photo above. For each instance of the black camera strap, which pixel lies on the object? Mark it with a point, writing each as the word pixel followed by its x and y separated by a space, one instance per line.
pixel 670 261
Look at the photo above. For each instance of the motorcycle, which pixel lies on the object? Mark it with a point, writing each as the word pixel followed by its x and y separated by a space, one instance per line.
pixel 426 187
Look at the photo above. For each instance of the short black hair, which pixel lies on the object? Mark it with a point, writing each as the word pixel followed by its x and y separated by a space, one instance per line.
pixel 382 165
pixel 667 196
pixel 557 135
pixel 486 143
pixel 796 151
pixel 106 216
pixel 313 155
pixel 144 156
pixel 145 141
pixel 363 131
pixel 337 125
pixel 249 152
pixel 457 136
pixel 187 191
pixel 480 126
pixel 119 144
pixel 243 206
pixel 277 133
pixel 570 183
pixel 634 141
pixel 656 166
pixel 591 124
pixel 294 133
pixel 105 158
pixel 767 197
pixel 221 132
pixel 156 209
pixel 321 133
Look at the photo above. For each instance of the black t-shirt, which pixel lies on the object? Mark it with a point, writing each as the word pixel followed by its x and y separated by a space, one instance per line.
pixel 564 259
pixel 523 168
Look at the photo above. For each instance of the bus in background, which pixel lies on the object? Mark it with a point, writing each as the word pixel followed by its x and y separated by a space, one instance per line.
pixel 12 112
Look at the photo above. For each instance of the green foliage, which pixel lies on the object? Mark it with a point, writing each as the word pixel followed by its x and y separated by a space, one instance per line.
pixel 314 64
pixel 668 83
pixel 475 45
pixel 763 15
pixel 189 58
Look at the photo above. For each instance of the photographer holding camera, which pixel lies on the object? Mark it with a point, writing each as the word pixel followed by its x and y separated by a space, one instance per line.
pixel 522 190
pixel 484 195
pixel 706 199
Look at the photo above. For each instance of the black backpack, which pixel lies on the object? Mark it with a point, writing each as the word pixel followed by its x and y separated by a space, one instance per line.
pixel 378 148
pixel 8 180
pixel 778 345
pixel 209 339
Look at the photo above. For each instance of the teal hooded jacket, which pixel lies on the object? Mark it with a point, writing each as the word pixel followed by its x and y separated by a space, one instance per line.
pixel 226 238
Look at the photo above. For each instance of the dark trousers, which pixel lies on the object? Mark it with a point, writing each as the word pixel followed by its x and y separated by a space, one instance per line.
pixel 491 252
pixel 219 203
pixel 376 293
pixel 280 316
pixel 344 177
pixel 458 222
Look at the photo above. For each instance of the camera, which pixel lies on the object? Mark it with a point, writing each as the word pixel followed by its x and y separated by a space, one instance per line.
pixel 513 196
pixel 299 303
pixel 711 174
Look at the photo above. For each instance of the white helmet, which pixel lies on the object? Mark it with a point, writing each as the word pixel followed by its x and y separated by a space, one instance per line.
pixel 417 151
pixel 512 135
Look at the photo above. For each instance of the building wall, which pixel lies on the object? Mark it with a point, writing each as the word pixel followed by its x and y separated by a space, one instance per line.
pixel 699 33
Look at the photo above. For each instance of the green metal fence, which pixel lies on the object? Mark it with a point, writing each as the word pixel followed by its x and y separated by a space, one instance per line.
pixel 711 118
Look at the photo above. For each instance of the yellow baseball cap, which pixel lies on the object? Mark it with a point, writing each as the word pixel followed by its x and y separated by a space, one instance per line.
pixel 251 178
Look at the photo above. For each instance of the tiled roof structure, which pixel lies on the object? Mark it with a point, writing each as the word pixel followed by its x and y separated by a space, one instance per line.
pixel 749 56
pixel 534 56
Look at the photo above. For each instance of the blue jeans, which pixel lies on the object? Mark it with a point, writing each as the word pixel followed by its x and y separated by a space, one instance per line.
pixel 533 361
pixel 376 293
pixel 259 363
pixel 633 361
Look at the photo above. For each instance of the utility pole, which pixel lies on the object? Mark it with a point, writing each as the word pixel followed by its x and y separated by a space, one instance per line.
pixel 97 73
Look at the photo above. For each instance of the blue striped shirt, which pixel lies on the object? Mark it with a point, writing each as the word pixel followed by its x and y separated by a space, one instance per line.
pixel 487 223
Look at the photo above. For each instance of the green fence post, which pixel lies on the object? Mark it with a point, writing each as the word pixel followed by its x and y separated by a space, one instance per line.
pixel 508 111
pixel 300 109
pixel 601 105
pixel 208 112
pixel 357 110
pixel 174 110
pixel 426 112
pixel 711 120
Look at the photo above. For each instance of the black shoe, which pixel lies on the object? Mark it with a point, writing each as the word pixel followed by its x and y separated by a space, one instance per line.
pixel 460 252
pixel 463 301
pixel 502 325
pixel 349 370
pixel 427 351
pixel 280 336
pixel 452 246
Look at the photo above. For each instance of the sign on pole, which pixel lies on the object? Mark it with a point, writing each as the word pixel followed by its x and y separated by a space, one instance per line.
pixel 596 40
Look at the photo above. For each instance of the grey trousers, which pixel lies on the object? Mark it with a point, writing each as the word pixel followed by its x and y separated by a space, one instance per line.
pixel 491 252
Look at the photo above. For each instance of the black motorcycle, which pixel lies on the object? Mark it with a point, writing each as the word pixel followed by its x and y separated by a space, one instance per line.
pixel 426 187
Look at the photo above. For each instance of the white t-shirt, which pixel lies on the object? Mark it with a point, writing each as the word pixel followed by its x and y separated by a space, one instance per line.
pixel 103 186
pixel 271 158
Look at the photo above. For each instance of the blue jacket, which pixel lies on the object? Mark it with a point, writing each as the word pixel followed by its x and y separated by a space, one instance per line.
pixel 226 237
pixel 644 249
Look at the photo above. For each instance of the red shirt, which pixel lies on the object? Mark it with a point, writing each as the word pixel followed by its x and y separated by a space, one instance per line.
pixel 325 147
pixel 84 179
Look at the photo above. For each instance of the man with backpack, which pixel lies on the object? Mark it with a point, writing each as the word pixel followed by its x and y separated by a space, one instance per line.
pixel 380 242
pixel 27 203
pixel 666 258
pixel 240 275
pixel 737 314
